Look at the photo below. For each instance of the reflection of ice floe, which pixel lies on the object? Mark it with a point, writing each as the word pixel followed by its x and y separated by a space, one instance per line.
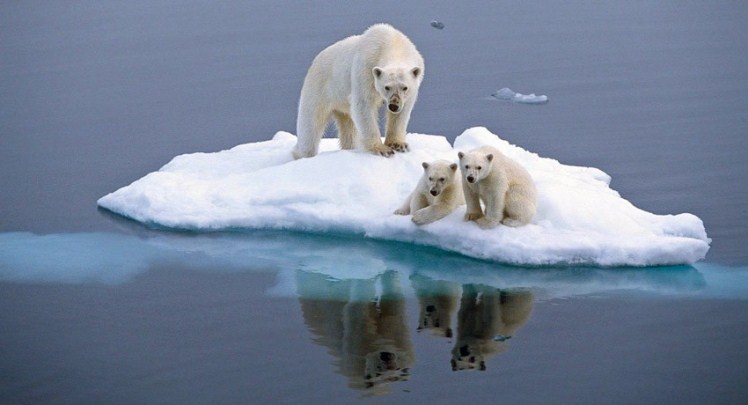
pixel 508 94
pixel 115 258
pixel 580 219
pixel 437 24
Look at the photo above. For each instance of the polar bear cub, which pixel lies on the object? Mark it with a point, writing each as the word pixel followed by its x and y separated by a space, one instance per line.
pixel 436 195
pixel 349 81
pixel 503 185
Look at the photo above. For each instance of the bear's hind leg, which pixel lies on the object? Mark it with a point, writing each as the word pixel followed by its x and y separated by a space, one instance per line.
pixel 346 130
pixel 519 207
pixel 310 126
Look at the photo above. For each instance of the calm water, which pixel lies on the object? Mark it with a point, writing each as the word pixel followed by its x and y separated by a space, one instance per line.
pixel 97 309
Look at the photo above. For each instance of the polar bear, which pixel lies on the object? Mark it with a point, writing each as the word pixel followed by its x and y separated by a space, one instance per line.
pixel 437 300
pixel 436 195
pixel 487 318
pixel 503 185
pixel 364 327
pixel 349 81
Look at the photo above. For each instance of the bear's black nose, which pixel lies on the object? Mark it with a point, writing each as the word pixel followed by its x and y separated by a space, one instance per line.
pixel 434 193
pixel 430 308
pixel 464 351
pixel 470 179
pixel 393 107
pixel 386 356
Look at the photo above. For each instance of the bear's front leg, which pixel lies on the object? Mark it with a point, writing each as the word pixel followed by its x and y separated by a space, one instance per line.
pixel 395 129
pixel 431 214
pixel 364 116
pixel 472 201
pixel 494 211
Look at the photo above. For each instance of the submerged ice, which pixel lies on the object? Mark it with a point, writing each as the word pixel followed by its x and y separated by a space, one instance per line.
pixel 580 219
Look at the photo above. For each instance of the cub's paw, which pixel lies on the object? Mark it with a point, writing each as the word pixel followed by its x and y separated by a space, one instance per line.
pixel 401 211
pixel 485 223
pixel 421 218
pixel 473 216
pixel 398 146
pixel 512 222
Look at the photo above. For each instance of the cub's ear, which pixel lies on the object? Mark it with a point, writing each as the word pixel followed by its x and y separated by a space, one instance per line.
pixel 460 155
pixel 425 165
pixel 377 71
pixel 415 71
pixel 489 157
pixel 453 166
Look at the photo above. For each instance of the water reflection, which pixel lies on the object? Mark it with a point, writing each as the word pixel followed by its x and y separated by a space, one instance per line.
pixel 363 330
pixel 488 317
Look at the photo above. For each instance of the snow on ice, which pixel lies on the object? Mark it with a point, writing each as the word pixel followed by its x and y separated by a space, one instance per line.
pixel 580 219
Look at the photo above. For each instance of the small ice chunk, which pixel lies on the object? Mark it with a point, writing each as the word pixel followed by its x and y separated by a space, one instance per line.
pixel 501 338
pixel 510 95
pixel 437 24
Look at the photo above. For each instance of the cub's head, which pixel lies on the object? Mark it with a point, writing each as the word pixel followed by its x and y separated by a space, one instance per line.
pixel 438 175
pixel 475 166
pixel 467 357
pixel 396 85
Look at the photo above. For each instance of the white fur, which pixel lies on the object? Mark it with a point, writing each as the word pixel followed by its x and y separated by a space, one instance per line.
pixel 436 195
pixel 349 81
pixel 503 185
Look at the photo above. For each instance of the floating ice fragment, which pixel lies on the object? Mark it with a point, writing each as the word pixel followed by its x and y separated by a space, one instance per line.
pixel 501 338
pixel 510 95
pixel 437 24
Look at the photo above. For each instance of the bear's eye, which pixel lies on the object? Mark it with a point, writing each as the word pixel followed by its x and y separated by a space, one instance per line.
pixel 431 179
pixel 386 88
pixel 405 88
pixel 467 166
pixel 441 179
pixel 477 168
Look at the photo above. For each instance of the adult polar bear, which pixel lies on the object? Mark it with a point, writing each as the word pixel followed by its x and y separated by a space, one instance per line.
pixel 349 81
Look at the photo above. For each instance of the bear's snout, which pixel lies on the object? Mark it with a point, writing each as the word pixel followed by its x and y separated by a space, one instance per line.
pixel 471 179
pixel 434 192
pixel 394 107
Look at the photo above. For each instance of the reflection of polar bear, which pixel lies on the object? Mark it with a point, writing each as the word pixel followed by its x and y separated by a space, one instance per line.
pixel 436 195
pixel 505 187
pixel 438 302
pixel 349 81
pixel 487 317
pixel 368 337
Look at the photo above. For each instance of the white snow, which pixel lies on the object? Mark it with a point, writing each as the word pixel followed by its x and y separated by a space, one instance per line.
pixel 510 95
pixel 580 219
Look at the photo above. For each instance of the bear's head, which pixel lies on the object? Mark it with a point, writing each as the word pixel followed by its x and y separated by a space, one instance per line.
pixel 438 175
pixel 385 366
pixel 475 166
pixel 467 357
pixel 397 85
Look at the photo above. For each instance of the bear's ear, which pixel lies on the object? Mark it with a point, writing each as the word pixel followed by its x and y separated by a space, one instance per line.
pixel 425 165
pixel 453 166
pixel 460 155
pixel 377 71
pixel 489 157
pixel 415 71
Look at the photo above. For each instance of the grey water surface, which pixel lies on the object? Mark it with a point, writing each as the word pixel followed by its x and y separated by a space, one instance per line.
pixel 98 309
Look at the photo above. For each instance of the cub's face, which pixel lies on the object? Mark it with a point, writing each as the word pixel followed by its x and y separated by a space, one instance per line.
pixel 475 166
pixel 439 175
pixel 466 357
pixel 396 85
